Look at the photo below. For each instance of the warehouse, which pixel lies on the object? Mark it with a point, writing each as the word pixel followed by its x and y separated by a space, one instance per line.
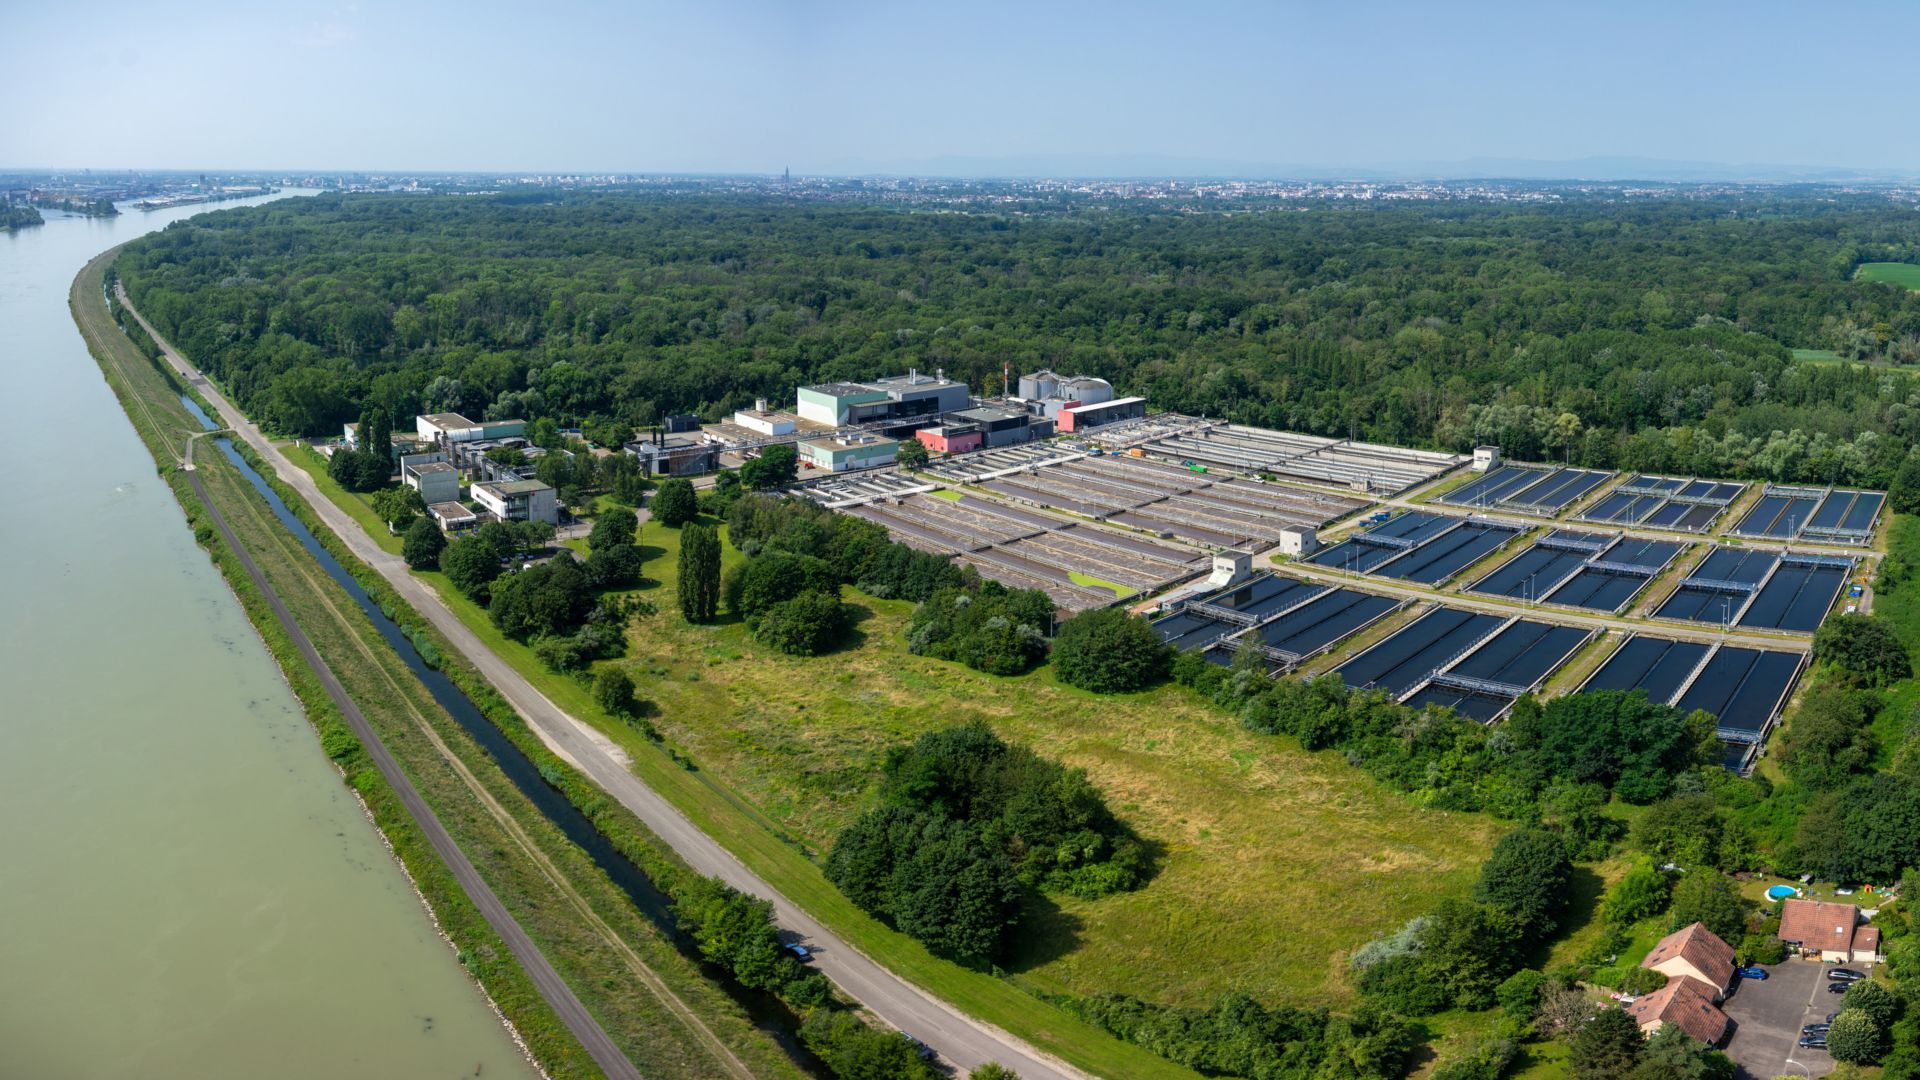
pixel 902 397
pixel 840 453
pixel 1079 418
pixel 999 426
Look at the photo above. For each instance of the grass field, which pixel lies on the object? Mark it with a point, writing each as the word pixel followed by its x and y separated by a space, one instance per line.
pixel 1905 275
pixel 1253 831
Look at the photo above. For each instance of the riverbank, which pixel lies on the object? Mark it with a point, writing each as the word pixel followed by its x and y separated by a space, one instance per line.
pixel 577 918
pixel 970 1017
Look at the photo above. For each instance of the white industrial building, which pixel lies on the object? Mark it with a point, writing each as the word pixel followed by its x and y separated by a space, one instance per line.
pixel 519 500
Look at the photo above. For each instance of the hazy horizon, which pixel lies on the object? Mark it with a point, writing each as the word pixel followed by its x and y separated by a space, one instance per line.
pixel 1716 91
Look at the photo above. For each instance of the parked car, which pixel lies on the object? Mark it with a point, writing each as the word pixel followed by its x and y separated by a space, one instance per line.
pixel 798 952
pixel 1751 973
pixel 1838 986
pixel 1845 975
pixel 1815 1029
pixel 1857 592
pixel 1830 1017
pixel 1814 1042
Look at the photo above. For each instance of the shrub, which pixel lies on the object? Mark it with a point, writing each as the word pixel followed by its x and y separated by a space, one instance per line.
pixel 1519 996
pixel 807 625
pixel 423 544
pixel 1641 893
pixel 1880 1004
pixel 1238 1036
pixel 1109 651
pixel 855 1051
pixel 674 503
pixel 1864 645
pixel 1526 877
pixel 993 629
pixel 1712 899
pixel 1855 1038
pixel 613 691
pixel 969 823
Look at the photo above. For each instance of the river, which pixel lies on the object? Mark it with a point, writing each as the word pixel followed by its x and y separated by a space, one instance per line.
pixel 187 889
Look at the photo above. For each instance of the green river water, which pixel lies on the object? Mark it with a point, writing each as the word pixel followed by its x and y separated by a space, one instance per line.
pixel 187 889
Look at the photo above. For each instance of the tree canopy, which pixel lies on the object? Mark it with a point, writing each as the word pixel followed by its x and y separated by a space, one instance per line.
pixel 1645 334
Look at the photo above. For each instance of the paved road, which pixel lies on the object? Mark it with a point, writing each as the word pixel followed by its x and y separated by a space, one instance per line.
pixel 545 979
pixel 957 1038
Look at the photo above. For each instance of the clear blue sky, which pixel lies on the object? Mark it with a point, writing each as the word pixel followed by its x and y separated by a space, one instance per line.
pixel 713 85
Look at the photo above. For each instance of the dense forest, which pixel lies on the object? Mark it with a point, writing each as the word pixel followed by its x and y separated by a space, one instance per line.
pixel 1650 334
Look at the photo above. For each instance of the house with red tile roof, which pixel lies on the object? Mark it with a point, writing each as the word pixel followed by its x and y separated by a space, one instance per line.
pixel 1695 953
pixel 1684 1003
pixel 1824 930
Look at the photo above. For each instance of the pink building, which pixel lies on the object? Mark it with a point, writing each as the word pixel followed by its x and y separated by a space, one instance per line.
pixel 951 438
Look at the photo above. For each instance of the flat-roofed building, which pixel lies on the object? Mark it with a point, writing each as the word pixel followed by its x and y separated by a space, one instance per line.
pixel 1001 426
pixel 452 517
pixel 763 421
pixel 901 397
pixel 1082 417
pixel 675 455
pixel 519 500
pixel 856 452
pixel 958 438
pixel 454 428
pixel 436 481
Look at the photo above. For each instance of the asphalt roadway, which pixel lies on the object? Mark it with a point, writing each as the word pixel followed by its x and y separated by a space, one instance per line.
pixel 959 1039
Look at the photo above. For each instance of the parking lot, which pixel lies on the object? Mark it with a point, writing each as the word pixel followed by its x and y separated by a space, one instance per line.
pixel 1767 1017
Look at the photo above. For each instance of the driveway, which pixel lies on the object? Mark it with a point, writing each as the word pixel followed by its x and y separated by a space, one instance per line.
pixel 1767 1018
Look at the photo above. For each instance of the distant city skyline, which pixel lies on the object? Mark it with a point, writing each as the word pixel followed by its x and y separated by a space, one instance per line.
pixel 1633 90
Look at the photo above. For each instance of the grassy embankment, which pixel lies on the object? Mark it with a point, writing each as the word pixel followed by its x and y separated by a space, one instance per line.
pixel 655 1003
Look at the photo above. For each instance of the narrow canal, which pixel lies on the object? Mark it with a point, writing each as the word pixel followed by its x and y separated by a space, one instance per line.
pixel 768 1011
